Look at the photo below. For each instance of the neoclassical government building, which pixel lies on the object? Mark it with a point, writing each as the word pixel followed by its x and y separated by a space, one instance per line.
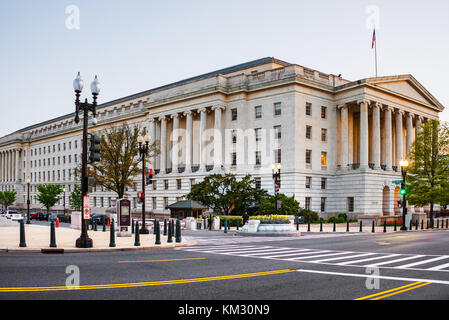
pixel 339 142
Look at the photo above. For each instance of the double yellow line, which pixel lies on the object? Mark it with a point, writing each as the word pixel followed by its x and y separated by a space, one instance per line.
pixel 167 260
pixel 144 284
pixel 392 292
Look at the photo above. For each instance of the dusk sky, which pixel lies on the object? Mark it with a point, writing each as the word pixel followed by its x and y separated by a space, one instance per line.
pixel 137 45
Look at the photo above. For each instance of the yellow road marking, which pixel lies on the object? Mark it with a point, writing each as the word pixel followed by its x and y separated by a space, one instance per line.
pixel 145 284
pixel 167 260
pixel 397 292
pixel 393 291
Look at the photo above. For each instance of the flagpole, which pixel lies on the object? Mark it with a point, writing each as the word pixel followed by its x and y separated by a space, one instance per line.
pixel 375 49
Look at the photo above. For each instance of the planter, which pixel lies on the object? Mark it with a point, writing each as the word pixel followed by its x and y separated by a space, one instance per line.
pixel 270 228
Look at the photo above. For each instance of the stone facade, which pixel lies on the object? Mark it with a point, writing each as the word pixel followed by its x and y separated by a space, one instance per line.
pixel 339 141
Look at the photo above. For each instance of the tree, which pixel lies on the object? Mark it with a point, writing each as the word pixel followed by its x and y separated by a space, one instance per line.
pixel 120 160
pixel 7 198
pixel 426 181
pixel 48 195
pixel 225 194
pixel 289 205
pixel 76 200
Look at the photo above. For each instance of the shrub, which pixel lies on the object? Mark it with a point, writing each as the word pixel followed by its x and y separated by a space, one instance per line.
pixel 309 214
pixel 232 220
pixel 271 219
pixel 343 216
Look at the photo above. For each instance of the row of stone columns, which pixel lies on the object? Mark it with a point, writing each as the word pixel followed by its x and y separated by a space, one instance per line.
pixel 376 138
pixel 9 165
pixel 158 127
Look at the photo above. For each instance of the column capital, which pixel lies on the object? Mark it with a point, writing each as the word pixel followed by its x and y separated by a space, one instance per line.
pixel 342 106
pixel 419 118
pixel 162 118
pixel 387 108
pixel 360 101
pixel 187 113
pixel 377 105
pixel 218 107
pixel 399 112
pixel 174 115
pixel 202 110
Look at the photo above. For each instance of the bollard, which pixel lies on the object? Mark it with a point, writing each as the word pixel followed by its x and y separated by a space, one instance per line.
pixel 411 227
pixel 112 235
pixel 347 226
pixel 173 228
pixel 373 229
pixel 385 226
pixel 169 238
pixel 417 225
pixel 95 225
pixel 225 226
pixel 219 223
pixel 137 235
pixel 52 235
pixel 361 227
pixel 438 224
pixel 178 231
pixel 132 226
pixel 158 234
pixel 422 224
pixel 297 225
pixel 321 226
pixel 447 225
pixel 154 227
pixel 335 227
pixel 22 243
pixel 165 227
pixel 238 224
pixel 395 225
pixel 308 225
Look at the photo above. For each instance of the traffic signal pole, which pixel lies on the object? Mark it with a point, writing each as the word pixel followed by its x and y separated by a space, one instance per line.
pixel 144 229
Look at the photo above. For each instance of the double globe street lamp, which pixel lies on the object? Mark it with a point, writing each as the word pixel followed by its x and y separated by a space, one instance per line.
pixel 28 181
pixel 404 166
pixel 84 241
pixel 277 183
pixel 143 152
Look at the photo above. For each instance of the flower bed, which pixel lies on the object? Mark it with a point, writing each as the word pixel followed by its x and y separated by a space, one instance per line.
pixel 271 219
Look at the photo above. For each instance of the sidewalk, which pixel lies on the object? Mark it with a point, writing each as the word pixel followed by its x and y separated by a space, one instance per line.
pixel 38 237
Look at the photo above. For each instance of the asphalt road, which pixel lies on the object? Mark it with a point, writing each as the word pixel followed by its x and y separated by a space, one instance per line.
pixel 412 265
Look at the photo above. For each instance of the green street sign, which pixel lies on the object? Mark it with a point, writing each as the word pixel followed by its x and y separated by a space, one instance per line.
pixel 397 181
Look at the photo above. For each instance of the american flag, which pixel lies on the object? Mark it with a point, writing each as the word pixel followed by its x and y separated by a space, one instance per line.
pixel 374 39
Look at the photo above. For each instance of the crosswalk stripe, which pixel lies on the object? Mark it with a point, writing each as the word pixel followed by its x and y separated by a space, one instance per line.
pixel 220 248
pixel 369 259
pixel 440 267
pixel 296 254
pixel 320 255
pixel 394 261
pixel 236 250
pixel 342 258
pixel 275 251
pixel 405 266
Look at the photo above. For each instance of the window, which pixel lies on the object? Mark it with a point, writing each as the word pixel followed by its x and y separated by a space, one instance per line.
pixel 308 182
pixel 323 159
pixel 277 156
pixel 134 202
pixel 76 144
pixel 323 112
pixel 323 183
pixel 277 109
pixel 64 146
pixel 258 134
pixel 54 148
pixel 70 145
pixel 308 109
pixel 258 183
pixel 234 158
pixel 76 158
pixel 154 203
pixel 192 183
pixel 165 202
pixel 258 112
pixel 350 204
pixel 258 158
pixel 234 114
pixel 308 132
pixel 277 132
pixel 324 135
pixel 308 202
pixel 323 204
pixel 234 136
pixel 166 184
pixel 179 184
pixel 154 185
pixel 308 156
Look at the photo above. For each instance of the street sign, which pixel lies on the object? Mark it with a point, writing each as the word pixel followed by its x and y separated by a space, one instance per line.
pixel 86 207
pixel 86 213
pixel 397 181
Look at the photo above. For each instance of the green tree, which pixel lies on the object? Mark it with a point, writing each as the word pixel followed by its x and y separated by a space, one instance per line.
pixel 289 205
pixel 76 200
pixel 226 194
pixel 426 181
pixel 48 195
pixel 120 162
pixel 7 198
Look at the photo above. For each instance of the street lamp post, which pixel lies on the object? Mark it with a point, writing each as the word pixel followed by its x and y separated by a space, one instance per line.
pixel 28 181
pixel 277 184
pixel 143 152
pixel 404 166
pixel 84 241
pixel 63 199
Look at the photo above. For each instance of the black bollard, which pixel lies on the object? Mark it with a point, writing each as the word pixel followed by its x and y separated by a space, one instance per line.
pixel 112 235
pixel 158 234
pixel 165 227
pixel 238 224
pixel 219 224
pixel 297 225
pixel 361 227
pixel 335 227
pixel 132 226
pixel 154 226
pixel 170 233
pixel 22 243
pixel 417 225
pixel 385 226
pixel 427 224
pixel 347 226
pixel 395 225
pixel 411 226
pixel 95 225
pixel 438 224
pixel 52 235
pixel 422 224
pixel 308 225
pixel 137 235
pixel 373 229
pixel 321 226
pixel 447 225
pixel 178 231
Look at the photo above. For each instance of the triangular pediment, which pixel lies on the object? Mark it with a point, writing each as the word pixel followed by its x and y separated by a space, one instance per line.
pixel 408 87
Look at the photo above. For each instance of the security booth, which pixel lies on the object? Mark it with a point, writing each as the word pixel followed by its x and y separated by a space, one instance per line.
pixel 186 208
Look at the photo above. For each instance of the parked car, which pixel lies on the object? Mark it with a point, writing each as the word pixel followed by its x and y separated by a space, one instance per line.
pixel 34 215
pixel 14 215
pixel 43 216
pixel 9 213
pixel 62 217
pixel 99 218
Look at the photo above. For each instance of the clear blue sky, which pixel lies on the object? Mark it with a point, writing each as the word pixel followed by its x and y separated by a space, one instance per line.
pixel 136 45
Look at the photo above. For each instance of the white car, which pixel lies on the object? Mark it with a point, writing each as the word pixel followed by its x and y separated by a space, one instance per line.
pixel 14 215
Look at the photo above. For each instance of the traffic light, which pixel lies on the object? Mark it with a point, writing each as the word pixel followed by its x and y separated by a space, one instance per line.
pixel 95 148
pixel 141 197
pixel 399 204
pixel 149 176
pixel 403 191
pixel 276 188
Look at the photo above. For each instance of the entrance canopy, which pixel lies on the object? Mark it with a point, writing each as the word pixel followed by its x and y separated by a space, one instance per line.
pixel 186 208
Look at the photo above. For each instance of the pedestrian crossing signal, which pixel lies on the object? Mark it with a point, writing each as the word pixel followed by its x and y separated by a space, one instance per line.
pixel 399 204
